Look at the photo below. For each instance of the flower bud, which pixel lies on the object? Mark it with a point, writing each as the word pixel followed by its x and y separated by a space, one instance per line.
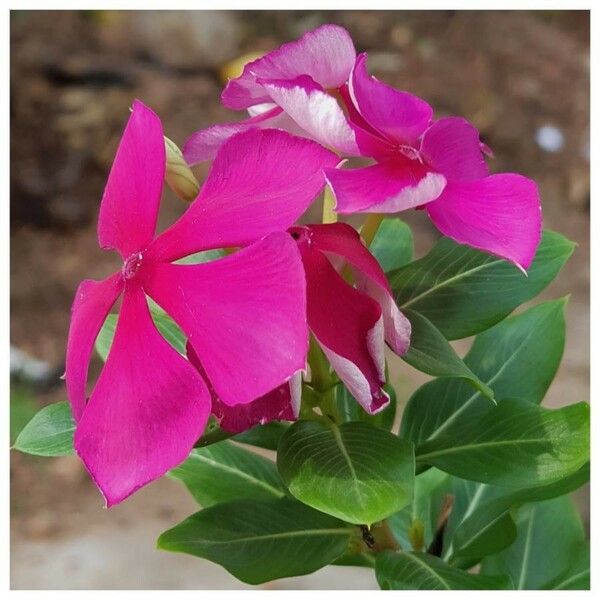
pixel 179 176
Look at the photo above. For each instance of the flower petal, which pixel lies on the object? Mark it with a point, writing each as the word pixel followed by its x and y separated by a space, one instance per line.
pixel 343 240
pixel 349 327
pixel 500 214
pixel 325 54
pixel 398 115
pixel 92 303
pixel 147 410
pixel 314 110
pixel 205 143
pixel 386 187
pixel 129 208
pixel 452 147
pixel 245 315
pixel 260 182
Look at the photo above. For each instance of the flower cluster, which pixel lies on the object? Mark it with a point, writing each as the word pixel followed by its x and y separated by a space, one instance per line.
pixel 248 316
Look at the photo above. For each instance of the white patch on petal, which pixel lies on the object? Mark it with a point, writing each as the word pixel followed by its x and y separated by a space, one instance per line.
pixel 295 384
pixel 427 190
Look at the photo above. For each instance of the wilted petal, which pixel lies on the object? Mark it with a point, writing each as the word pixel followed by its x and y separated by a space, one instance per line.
pixel 325 54
pixel 500 214
pixel 92 303
pixel 205 143
pixel 386 187
pixel 129 208
pixel 245 315
pixel 343 240
pixel 452 147
pixel 314 110
pixel 398 115
pixel 349 327
pixel 147 410
pixel 261 181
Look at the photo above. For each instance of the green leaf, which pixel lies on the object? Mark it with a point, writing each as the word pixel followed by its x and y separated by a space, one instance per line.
pixel 486 525
pixel 201 257
pixel 393 244
pixel 430 489
pixel 577 575
pixel 49 433
pixel 349 409
pixel 167 327
pixel 431 353
pixel 549 536
pixel 517 358
pixel 422 571
pixel 264 436
pixel 261 541
pixel 463 291
pixel 356 472
pixel 515 444
pixel 224 471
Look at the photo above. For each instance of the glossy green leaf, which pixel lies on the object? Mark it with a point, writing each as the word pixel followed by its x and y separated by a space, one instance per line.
pixel 549 536
pixel 431 353
pixel 517 358
pixel 348 409
pixel 223 471
pixel 486 525
pixel 463 291
pixel 261 541
pixel 515 444
pixel 167 327
pixel 264 436
pixel 422 571
pixel 393 244
pixel 356 472
pixel 49 433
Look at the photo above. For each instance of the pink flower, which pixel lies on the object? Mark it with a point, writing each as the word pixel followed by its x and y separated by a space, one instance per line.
pixel 439 166
pixel 244 314
pixel 291 88
pixel 351 324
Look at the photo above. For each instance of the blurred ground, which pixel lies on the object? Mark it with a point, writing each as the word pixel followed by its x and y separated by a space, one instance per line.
pixel 73 76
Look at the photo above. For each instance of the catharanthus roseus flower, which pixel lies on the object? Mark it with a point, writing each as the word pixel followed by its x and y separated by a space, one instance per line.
pixel 293 88
pixel 280 404
pixel 351 324
pixel 439 166
pixel 244 314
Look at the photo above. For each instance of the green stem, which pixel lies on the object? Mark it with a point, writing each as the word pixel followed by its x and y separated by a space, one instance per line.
pixel 370 227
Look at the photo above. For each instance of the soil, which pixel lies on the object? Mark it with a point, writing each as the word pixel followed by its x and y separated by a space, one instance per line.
pixel 73 77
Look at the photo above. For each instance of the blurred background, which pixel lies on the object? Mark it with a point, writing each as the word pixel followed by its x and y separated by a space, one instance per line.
pixel 521 77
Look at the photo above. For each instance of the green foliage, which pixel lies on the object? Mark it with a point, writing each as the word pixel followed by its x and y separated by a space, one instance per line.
pixel 463 291
pixel 422 571
pixel 431 353
pixel 261 541
pixel 393 244
pixel 49 433
pixel 517 358
pixel 354 471
pixel 223 471
pixel 549 550
pixel 348 409
pixel 514 444
pixel 264 436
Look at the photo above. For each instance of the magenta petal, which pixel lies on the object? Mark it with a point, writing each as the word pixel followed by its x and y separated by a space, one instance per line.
pixel 325 54
pixel 386 187
pixel 131 197
pixel 260 182
pixel 92 303
pixel 500 214
pixel 343 240
pixel 399 116
pixel 452 147
pixel 348 326
pixel 147 410
pixel 245 315
pixel 205 143
pixel 314 110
